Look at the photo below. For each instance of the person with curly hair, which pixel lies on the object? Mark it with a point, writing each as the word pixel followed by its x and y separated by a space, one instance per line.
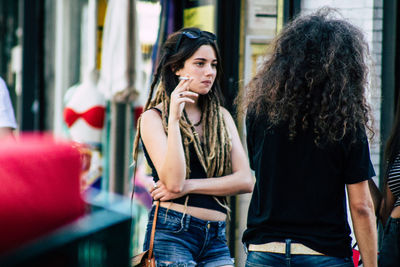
pixel 194 149
pixel 307 123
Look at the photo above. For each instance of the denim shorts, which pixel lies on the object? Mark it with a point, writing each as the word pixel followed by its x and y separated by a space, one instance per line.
pixel 267 259
pixel 389 253
pixel 183 240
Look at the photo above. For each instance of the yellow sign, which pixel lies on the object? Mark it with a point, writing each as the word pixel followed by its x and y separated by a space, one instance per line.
pixel 202 17
pixel 101 14
pixel 279 22
pixel 258 53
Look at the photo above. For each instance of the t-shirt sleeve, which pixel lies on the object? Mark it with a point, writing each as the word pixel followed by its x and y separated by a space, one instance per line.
pixel 358 165
pixel 7 118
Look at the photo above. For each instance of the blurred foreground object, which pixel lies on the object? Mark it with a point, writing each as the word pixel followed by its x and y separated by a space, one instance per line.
pixel 45 221
pixel 39 188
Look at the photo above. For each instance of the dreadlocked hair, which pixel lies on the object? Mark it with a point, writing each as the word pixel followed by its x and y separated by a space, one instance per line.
pixel 214 151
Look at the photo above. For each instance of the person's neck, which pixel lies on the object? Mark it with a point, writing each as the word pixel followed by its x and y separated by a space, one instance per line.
pixel 192 106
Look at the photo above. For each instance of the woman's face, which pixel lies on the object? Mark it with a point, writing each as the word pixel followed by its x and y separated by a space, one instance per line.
pixel 202 68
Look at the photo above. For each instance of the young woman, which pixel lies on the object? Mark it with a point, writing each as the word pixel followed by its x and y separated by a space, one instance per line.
pixel 306 139
pixel 193 147
pixel 389 253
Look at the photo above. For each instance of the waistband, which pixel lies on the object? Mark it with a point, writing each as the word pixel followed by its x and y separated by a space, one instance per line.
pixel 394 220
pixel 284 248
pixel 197 212
pixel 187 219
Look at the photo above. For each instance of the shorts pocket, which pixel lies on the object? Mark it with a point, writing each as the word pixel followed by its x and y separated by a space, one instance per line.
pixel 169 224
pixel 222 235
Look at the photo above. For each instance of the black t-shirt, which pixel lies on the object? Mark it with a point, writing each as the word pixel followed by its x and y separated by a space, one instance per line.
pixel 300 188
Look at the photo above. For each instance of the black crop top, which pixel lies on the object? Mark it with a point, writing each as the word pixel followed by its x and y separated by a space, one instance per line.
pixel 196 172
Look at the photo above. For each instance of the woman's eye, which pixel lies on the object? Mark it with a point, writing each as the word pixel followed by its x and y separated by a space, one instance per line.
pixel 199 63
pixel 214 65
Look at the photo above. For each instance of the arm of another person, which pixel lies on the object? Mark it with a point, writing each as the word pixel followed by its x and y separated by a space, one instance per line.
pixel 6 131
pixel 376 196
pixel 387 204
pixel 363 217
pixel 239 182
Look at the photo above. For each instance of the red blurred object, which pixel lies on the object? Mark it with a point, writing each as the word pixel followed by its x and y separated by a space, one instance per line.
pixel 356 257
pixel 39 190
pixel 137 112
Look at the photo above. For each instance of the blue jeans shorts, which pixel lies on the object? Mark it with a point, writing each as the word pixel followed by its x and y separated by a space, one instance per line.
pixel 183 240
pixel 389 253
pixel 267 259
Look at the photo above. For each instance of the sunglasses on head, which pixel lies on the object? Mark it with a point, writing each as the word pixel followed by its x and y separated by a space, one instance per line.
pixel 194 34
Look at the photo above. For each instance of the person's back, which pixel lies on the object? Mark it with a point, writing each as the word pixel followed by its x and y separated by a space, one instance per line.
pixel 306 141
pixel 301 188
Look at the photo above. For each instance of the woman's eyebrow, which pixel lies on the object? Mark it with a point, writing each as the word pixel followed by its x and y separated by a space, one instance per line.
pixel 204 59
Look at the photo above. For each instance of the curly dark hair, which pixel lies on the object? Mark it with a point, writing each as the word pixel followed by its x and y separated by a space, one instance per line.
pixel 315 78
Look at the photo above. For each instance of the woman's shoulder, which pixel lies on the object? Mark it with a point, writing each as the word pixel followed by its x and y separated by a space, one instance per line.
pixel 224 111
pixel 227 117
pixel 151 113
pixel 151 117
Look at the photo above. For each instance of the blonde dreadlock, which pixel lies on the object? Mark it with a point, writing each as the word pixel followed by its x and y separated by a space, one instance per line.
pixel 214 154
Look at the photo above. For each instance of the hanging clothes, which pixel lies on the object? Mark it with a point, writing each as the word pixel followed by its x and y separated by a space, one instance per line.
pixel 120 60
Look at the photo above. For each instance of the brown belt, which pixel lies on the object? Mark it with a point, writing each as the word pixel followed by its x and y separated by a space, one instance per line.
pixel 280 247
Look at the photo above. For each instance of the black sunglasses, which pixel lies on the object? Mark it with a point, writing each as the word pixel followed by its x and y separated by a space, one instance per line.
pixel 194 34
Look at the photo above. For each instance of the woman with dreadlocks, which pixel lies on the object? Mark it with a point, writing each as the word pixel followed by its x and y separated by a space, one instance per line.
pixel 193 147
pixel 306 137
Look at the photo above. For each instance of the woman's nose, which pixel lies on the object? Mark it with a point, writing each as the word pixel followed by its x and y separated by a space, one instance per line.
pixel 210 70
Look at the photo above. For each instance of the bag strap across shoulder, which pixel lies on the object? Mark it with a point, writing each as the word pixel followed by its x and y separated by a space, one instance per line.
pixel 153 231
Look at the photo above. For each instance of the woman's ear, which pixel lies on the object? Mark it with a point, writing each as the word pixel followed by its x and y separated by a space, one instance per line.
pixel 178 73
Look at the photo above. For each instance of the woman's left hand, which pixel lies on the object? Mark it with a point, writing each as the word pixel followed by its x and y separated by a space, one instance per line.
pixel 160 192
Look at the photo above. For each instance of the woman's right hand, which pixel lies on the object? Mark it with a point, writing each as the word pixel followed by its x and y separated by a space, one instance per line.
pixel 160 192
pixel 179 97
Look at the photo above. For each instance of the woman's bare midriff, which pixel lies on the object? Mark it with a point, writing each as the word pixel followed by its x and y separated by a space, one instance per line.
pixel 201 213
pixel 395 212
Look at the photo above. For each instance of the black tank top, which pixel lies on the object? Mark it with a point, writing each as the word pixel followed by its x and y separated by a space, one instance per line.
pixel 196 172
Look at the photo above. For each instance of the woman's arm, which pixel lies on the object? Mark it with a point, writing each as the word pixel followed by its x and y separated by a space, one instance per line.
pixel 363 217
pixel 387 204
pixel 167 154
pixel 376 196
pixel 161 149
pixel 240 181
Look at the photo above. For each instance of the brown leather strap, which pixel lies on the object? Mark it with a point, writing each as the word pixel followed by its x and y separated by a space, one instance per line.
pixel 153 231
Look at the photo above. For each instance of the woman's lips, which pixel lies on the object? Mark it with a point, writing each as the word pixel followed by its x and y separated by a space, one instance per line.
pixel 206 82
